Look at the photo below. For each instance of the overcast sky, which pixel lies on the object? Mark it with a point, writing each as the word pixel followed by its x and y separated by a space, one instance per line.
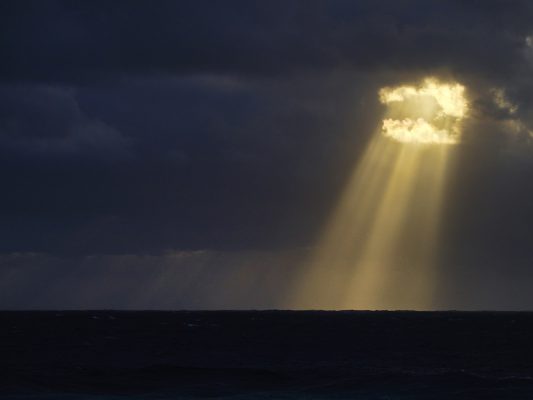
pixel 152 151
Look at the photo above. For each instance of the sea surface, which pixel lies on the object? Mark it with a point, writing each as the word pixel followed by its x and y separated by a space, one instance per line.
pixel 265 355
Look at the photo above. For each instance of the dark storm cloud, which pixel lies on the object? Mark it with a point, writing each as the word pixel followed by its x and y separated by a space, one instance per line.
pixel 202 163
pixel 137 128
pixel 46 121
pixel 57 40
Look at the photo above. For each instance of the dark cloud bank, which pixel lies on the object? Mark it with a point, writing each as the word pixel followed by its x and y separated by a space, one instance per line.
pixel 150 152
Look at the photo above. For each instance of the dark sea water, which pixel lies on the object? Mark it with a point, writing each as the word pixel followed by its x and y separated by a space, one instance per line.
pixel 266 355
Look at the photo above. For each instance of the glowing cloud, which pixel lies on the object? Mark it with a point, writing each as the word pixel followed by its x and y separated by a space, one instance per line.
pixel 429 113
pixel 415 131
pixel 502 102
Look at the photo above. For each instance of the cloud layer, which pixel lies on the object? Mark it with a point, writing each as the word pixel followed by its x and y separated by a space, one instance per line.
pixel 128 128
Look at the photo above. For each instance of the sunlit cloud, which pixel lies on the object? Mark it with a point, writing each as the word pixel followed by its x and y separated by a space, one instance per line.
pixel 415 131
pixel 510 118
pixel 450 97
pixel 500 99
pixel 429 113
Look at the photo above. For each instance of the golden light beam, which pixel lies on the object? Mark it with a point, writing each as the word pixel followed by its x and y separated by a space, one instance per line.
pixel 377 251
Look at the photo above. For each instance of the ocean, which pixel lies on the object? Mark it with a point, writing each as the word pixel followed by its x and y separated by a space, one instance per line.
pixel 265 355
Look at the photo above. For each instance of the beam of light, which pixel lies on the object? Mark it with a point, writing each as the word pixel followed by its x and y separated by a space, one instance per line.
pixel 378 249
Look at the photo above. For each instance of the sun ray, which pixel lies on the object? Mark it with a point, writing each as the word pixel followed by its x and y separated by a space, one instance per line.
pixel 378 248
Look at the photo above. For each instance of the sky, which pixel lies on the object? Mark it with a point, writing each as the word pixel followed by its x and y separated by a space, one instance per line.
pixel 187 154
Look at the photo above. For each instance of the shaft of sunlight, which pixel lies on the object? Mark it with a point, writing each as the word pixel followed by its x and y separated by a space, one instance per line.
pixel 379 247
